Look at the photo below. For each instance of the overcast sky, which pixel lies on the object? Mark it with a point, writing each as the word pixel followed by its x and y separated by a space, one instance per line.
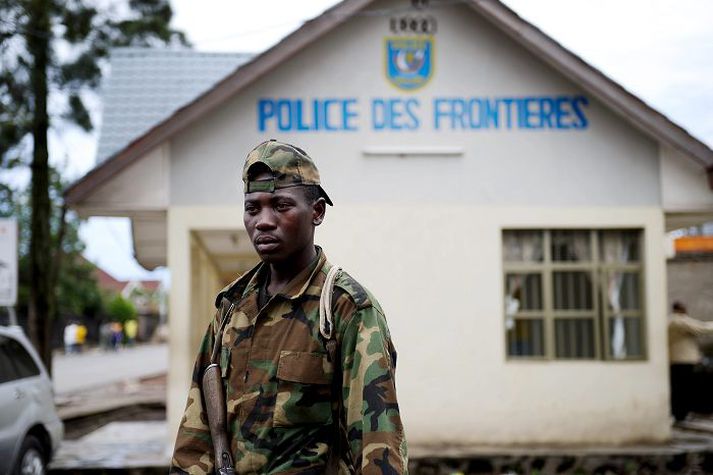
pixel 660 50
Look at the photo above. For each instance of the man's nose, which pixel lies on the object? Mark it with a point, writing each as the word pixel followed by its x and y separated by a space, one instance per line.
pixel 266 220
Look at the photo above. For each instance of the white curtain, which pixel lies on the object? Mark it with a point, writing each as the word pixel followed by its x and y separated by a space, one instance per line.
pixel 615 250
pixel 512 302
pixel 519 246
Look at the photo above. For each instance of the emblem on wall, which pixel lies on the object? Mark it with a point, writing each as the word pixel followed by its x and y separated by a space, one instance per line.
pixel 409 61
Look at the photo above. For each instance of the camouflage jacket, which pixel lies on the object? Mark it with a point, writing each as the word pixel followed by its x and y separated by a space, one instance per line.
pixel 279 386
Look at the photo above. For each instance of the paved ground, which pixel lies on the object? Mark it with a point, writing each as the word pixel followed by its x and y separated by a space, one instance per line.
pixel 118 445
pixel 134 393
pixel 143 444
pixel 97 383
pixel 95 368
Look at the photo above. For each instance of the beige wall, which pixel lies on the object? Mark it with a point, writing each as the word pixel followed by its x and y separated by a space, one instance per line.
pixel 195 282
pixel 439 279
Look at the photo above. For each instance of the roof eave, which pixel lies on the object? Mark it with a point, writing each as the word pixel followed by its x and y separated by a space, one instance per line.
pixel 612 94
pixel 243 76
pixel 643 116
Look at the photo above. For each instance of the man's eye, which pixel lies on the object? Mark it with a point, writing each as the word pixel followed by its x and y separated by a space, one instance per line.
pixel 250 209
pixel 282 206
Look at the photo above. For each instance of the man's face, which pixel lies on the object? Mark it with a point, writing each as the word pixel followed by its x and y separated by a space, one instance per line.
pixel 281 224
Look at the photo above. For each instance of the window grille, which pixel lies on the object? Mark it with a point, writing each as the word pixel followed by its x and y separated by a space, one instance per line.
pixel 574 294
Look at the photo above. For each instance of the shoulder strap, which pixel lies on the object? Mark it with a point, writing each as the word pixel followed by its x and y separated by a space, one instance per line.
pixel 340 457
pixel 325 303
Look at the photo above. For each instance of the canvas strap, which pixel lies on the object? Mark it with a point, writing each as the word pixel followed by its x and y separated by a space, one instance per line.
pixel 340 454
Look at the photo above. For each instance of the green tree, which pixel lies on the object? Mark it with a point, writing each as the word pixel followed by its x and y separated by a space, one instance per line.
pixel 120 309
pixel 59 46
pixel 77 292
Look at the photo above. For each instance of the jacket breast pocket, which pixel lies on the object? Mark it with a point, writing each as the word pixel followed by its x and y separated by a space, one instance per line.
pixel 304 389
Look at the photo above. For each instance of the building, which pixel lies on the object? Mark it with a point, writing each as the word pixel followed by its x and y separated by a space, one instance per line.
pixel 506 202
pixel 690 278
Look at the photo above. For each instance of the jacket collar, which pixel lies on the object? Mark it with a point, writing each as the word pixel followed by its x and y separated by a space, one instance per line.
pixel 299 284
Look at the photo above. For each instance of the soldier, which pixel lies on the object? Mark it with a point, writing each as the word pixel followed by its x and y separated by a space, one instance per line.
pixel 302 390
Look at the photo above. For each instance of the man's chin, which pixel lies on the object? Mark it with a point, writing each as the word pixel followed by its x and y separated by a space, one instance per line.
pixel 270 257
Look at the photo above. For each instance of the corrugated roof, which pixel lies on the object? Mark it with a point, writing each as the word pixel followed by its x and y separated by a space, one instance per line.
pixel 147 85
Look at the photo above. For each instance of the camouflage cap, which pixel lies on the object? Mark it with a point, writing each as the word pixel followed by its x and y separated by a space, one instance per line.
pixel 290 166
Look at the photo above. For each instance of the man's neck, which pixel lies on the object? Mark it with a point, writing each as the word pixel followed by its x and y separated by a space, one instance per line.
pixel 281 273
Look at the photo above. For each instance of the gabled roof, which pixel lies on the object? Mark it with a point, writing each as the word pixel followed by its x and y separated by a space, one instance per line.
pixel 147 85
pixel 619 100
pixel 106 281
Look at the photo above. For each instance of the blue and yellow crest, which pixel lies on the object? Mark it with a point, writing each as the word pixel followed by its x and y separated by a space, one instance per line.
pixel 409 61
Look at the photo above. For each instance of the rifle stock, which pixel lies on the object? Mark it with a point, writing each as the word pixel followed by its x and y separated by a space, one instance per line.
pixel 214 399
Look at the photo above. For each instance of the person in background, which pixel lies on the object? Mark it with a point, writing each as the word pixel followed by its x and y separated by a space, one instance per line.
pixel 70 337
pixel 684 354
pixel 81 336
pixel 131 328
pixel 117 335
pixel 105 336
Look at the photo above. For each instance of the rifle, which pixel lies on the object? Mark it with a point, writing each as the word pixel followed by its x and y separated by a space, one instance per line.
pixel 214 398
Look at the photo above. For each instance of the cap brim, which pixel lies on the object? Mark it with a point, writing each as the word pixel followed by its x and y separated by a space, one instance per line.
pixel 325 196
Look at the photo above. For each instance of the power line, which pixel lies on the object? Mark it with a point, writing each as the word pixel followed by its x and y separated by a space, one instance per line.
pixel 385 12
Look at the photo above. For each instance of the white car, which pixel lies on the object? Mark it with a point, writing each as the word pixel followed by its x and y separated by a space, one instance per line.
pixel 30 430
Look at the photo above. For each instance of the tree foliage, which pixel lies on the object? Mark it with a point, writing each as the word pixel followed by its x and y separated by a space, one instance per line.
pixel 77 291
pixel 81 35
pixel 51 55
pixel 120 309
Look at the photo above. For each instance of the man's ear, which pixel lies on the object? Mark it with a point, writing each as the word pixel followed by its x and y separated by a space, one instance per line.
pixel 319 208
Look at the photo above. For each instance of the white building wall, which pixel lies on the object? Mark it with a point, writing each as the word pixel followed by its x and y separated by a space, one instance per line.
pixel 443 297
pixel 442 292
pixel 609 163
pixel 684 184
pixel 142 186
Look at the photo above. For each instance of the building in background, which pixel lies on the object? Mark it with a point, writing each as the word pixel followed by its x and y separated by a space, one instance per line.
pixel 690 276
pixel 506 202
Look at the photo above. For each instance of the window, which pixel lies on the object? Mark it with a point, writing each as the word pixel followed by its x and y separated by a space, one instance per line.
pixel 15 361
pixel 574 294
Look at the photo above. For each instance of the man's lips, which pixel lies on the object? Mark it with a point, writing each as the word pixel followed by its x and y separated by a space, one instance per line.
pixel 265 239
pixel 266 243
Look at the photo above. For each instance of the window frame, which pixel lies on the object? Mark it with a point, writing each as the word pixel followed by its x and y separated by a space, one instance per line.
pixel 600 314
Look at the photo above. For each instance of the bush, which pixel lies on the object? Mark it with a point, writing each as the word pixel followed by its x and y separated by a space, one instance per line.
pixel 121 309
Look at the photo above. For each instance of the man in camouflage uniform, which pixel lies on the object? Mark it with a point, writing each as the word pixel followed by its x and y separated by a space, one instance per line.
pixel 285 395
